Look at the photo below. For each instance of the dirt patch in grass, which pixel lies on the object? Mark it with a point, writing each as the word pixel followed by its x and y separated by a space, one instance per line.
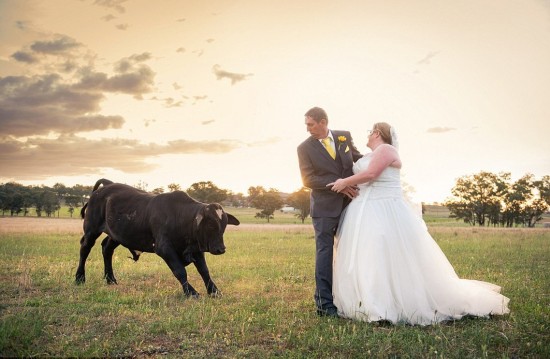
pixel 40 225
pixel 74 225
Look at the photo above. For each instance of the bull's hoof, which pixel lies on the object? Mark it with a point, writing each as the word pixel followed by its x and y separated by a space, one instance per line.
pixel 110 278
pixel 80 279
pixel 215 294
pixel 193 295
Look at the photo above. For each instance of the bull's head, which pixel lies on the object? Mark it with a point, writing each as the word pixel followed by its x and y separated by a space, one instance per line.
pixel 210 225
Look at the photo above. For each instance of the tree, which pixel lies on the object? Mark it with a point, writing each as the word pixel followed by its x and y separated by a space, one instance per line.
pixel 268 201
pixel 50 202
pixel 301 201
pixel 478 197
pixel 207 192
pixel 543 187
pixel 514 201
pixel 12 198
pixel 535 203
pixel 141 185
pixel 83 192
pixel 158 190
pixel 236 199
pixel 72 202
pixel 28 201
pixel 486 198
pixel 174 187
pixel 61 191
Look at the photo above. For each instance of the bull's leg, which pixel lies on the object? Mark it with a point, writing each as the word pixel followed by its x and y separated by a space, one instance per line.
pixel 168 253
pixel 108 247
pixel 202 268
pixel 86 243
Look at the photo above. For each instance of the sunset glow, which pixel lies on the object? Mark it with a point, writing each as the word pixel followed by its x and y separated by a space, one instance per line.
pixel 186 91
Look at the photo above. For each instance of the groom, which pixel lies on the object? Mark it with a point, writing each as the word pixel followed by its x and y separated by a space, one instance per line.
pixel 324 157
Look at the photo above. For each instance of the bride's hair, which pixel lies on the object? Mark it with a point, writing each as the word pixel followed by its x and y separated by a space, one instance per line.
pixel 385 131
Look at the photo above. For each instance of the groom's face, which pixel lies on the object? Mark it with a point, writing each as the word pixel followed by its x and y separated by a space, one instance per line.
pixel 316 129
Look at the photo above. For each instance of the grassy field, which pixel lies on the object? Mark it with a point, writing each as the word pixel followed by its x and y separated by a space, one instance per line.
pixel 267 308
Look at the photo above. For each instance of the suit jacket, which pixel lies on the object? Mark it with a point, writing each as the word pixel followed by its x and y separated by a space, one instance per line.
pixel 318 169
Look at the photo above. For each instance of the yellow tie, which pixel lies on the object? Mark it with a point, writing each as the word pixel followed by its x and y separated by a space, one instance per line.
pixel 330 150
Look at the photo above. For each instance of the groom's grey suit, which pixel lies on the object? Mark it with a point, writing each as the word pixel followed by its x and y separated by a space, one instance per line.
pixel 318 169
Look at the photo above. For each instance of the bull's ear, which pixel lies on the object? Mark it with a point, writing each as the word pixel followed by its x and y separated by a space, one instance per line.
pixel 232 220
pixel 198 220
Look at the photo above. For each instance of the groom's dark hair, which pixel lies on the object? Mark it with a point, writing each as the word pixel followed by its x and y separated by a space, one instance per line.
pixel 317 114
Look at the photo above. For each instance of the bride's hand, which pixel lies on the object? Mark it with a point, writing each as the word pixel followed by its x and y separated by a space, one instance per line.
pixel 338 185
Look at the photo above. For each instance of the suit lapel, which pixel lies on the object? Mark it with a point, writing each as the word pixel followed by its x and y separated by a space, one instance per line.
pixel 318 146
pixel 341 150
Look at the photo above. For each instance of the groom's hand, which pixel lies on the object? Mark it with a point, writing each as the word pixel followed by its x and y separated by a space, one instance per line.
pixel 350 191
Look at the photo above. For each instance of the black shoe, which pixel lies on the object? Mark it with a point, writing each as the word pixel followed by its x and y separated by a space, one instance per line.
pixel 330 312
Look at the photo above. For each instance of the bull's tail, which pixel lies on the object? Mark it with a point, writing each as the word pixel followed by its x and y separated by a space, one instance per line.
pixel 100 182
pixel 83 210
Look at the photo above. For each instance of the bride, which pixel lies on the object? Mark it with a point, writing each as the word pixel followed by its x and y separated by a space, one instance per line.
pixel 387 266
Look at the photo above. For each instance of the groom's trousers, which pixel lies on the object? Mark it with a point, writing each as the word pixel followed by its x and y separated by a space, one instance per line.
pixel 325 228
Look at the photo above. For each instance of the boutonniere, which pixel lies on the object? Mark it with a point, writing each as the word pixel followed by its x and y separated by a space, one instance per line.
pixel 341 140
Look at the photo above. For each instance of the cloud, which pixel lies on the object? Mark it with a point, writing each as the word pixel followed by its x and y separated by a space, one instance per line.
pixel 40 105
pixel 61 53
pixel 146 123
pixel 21 25
pixel 108 18
pixel 440 129
pixel 426 60
pixel 170 102
pixel 207 122
pixel 234 77
pixel 46 103
pixel 180 49
pixel 61 44
pixel 36 159
pixel 131 77
pixel 23 56
pixel 112 4
pixel 61 48
pixel 122 27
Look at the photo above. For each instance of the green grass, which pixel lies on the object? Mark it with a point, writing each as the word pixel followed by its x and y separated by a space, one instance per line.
pixel 267 309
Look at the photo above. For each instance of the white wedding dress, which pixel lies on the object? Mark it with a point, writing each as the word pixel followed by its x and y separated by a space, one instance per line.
pixel 388 267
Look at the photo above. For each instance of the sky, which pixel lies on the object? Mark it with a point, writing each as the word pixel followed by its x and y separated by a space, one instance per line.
pixel 182 91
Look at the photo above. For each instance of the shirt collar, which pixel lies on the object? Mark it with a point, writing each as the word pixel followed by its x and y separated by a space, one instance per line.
pixel 329 136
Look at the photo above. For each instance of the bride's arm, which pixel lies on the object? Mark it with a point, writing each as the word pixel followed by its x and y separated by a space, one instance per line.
pixel 383 156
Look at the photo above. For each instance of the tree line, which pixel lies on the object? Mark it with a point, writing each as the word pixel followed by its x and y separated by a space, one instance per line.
pixel 17 199
pixel 484 199
pixel 489 199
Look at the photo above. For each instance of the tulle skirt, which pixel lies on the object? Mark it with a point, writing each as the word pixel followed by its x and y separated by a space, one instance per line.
pixel 388 267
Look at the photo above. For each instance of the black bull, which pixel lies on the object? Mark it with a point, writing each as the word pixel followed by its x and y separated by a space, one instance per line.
pixel 172 225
